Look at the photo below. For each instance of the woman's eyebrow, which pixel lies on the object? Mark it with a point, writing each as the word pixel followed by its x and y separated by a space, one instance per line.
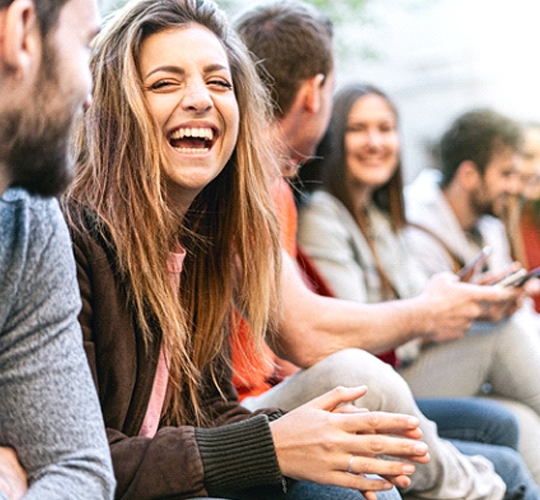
pixel 216 67
pixel 179 71
pixel 167 69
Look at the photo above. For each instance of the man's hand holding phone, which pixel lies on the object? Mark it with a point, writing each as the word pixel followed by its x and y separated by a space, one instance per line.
pixel 522 283
pixel 469 271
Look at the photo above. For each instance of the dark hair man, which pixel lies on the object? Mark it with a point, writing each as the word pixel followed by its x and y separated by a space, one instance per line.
pixel 459 209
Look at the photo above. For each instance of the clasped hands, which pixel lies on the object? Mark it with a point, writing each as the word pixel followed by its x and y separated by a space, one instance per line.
pixel 329 441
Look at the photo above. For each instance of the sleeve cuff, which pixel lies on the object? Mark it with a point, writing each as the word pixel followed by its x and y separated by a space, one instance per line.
pixel 238 456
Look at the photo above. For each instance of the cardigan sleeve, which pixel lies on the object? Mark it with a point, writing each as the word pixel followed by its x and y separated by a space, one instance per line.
pixel 236 452
pixel 329 238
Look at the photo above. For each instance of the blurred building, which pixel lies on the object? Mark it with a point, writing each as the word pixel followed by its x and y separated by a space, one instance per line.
pixel 439 58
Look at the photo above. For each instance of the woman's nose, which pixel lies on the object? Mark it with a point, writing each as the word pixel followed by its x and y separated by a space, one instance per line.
pixel 374 138
pixel 197 97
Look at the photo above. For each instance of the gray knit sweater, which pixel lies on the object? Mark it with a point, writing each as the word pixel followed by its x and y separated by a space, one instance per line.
pixel 49 411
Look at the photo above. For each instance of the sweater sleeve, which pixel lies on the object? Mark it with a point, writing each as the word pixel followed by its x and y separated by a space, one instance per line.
pixel 326 236
pixel 236 452
pixel 49 411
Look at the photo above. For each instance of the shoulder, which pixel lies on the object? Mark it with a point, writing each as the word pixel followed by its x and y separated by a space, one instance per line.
pixel 29 214
pixel 89 235
pixel 32 230
pixel 36 261
pixel 323 204
pixel 326 223
pixel 324 212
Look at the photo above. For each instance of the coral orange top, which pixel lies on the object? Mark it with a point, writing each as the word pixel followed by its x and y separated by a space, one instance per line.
pixel 529 233
pixel 253 375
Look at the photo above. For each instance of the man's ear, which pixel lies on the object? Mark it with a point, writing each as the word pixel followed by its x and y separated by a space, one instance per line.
pixel 312 93
pixel 468 174
pixel 20 39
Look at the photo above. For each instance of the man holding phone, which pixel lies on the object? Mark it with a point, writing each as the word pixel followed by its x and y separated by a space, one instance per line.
pixel 292 43
pixel 459 209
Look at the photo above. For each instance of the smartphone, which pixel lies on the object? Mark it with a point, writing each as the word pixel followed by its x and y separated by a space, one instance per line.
pixel 513 279
pixel 535 273
pixel 476 262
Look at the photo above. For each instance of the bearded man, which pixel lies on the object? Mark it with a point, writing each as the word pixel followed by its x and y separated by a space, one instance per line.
pixel 51 429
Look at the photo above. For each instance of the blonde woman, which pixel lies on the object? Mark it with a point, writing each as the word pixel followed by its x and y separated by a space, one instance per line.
pixel 170 180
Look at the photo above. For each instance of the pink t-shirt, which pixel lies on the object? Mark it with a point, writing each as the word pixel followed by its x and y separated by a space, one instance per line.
pixel 161 380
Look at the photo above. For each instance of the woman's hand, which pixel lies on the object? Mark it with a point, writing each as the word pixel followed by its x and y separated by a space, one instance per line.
pixel 329 444
pixel 12 476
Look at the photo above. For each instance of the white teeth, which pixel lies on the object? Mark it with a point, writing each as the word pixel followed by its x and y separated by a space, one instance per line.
pixel 202 133
pixel 191 151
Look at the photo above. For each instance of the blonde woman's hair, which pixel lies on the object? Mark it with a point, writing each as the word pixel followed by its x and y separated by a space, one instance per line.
pixel 230 231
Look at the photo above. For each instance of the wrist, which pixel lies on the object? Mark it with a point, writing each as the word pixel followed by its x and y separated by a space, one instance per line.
pixel 422 318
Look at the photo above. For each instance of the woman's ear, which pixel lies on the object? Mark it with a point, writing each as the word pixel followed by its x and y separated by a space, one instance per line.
pixel 20 39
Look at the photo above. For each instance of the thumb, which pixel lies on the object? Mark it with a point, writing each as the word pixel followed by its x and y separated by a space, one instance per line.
pixel 337 396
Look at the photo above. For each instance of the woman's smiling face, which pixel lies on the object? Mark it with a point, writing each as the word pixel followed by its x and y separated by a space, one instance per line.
pixel 188 88
pixel 371 142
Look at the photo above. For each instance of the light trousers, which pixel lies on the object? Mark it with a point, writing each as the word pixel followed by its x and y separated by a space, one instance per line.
pixel 449 474
pixel 506 356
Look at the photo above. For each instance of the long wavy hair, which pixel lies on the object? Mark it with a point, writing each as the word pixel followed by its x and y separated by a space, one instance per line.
pixel 230 231
pixel 388 197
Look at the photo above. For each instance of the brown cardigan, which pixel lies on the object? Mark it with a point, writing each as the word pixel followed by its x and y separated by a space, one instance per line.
pixel 181 461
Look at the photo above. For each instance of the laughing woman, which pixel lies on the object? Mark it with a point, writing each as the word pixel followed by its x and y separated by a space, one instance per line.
pixel 175 237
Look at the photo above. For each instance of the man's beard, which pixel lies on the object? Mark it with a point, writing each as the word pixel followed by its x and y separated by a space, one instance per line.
pixel 482 207
pixel 35 140
pixel 481 204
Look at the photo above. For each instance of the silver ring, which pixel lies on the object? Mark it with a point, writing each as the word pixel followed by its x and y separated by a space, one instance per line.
pixel 349 469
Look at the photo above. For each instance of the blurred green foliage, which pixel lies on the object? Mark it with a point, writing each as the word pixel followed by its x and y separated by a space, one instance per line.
pixel 351 20
pixel 338 10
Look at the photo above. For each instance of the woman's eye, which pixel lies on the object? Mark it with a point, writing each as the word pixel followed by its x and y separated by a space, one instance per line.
pixel 221 83
pixel 159 85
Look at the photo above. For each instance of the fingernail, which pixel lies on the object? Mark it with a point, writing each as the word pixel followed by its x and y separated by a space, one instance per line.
pixel 420 448
pixel 408 469
pixel 413 421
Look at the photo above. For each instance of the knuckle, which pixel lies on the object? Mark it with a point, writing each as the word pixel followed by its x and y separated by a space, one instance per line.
pixel 329 443
pixel 365 466
pixel 339 391
pixel 376 444
pixel 373 419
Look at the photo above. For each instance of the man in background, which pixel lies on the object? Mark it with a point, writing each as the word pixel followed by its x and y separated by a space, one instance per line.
pixel 292 43
pixel 459 209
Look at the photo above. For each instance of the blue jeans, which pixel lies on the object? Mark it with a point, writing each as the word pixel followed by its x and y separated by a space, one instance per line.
pixel 508 464
pixel 304 490
pixel 481 427
pixel 472 419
